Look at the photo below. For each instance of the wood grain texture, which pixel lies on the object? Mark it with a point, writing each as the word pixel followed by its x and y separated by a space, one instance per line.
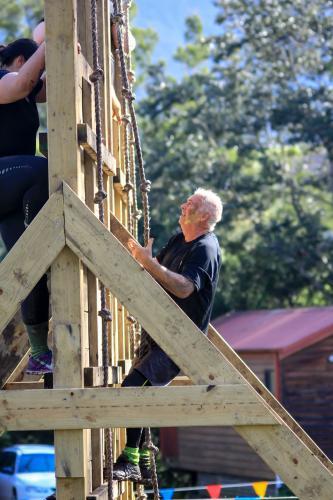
pixel 30 257
pixel 131 407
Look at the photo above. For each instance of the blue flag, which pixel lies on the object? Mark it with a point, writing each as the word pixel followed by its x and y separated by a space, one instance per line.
pixel 167 493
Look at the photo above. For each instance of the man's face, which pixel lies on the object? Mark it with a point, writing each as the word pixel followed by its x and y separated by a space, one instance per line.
pixel 190 211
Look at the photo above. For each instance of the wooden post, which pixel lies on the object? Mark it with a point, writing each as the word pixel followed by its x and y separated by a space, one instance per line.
pixel 64 113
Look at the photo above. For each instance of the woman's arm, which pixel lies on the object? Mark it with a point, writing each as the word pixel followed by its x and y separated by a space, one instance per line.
pixel 41 96
pixel 16 86
pixel 39 32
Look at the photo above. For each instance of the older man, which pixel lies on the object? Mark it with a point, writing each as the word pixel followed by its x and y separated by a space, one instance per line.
pixel 188 269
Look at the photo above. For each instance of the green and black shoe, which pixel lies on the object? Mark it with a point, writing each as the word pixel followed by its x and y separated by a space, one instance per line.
pixel 124 470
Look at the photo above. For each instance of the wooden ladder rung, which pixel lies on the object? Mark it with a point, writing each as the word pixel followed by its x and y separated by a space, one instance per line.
pixel 87 139
pixel 20 386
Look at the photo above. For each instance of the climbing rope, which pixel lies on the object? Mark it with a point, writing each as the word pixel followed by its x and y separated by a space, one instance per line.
pixel 96 78
pixel 145 185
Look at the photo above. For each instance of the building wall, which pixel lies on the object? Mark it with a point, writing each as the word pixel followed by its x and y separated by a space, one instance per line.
pixel 307 381
pixel 220 450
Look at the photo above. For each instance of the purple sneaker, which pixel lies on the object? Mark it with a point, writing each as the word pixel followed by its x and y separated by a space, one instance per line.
pixel 40 364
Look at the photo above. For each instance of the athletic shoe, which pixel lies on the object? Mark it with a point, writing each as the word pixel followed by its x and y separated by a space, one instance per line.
pixel 123 470
pixel 146 473
pixel 40 364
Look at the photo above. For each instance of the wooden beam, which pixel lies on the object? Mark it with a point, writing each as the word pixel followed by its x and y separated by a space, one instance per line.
pixel 181 381
pixel 87 139
pixel 23 386
pixel 30 257
pixel 14 345
pixel 131 407
pixel 101 493
pixel 64 113
pixel 119 182
pixel 185 344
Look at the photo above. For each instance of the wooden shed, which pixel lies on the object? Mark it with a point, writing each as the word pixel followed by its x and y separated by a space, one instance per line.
pixel 291 351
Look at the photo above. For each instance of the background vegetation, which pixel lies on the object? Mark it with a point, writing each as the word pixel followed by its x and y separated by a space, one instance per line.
pixel 252 120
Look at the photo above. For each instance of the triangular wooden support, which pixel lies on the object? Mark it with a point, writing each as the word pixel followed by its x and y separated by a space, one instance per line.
pixel 67 220
pixel 30 257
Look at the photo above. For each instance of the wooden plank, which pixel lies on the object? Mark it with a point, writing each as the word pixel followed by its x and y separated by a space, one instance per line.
pixel 30 257
pixel 64 113
pixel 170 328
pixel 18 373
pixel 84 68
pixel 101 493
pixel 23 386
pixel 14 345
pixel 87 139
pixel 180 381
pixel 125 365
pixel 119 182
pixel 158 406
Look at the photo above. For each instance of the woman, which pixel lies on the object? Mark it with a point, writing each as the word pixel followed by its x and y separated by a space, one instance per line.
pixel 23 176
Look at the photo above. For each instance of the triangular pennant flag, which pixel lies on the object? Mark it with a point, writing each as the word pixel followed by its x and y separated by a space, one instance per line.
pixel 260 488
pixel 214 490
pixel 167 493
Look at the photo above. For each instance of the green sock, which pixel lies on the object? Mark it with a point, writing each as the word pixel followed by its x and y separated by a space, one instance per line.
pixel 132 454
pixel 145 456
pixel 38 338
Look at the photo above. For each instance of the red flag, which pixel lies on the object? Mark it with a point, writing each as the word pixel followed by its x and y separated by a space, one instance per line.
pixel 214 490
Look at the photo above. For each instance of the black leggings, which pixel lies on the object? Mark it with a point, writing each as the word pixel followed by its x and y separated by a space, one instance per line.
pixel 23 192
pixel 135 437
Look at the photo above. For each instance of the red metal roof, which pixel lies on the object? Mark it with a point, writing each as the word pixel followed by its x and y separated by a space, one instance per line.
pixel 279 330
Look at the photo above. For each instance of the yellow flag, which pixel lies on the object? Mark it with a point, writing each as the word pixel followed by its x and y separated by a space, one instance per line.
pixel 260 488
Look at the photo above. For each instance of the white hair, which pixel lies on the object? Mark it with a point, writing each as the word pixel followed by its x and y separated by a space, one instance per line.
pixel 212 204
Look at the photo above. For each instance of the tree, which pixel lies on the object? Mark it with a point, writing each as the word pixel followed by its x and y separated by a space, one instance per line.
pixel 19 18
pixel 222 129
pixel 285 49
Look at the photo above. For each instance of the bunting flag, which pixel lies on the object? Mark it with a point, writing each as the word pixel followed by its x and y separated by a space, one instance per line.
pixel 214 490
pixel 260 488
pixel 167 493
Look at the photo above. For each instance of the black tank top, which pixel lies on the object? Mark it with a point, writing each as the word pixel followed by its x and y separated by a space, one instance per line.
pixel 19 122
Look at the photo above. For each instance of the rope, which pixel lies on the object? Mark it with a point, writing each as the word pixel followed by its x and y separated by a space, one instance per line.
pixel 145 185
pixel 96 78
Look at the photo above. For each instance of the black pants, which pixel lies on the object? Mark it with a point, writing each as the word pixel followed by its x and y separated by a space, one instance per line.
pixel 23 192
pixel 135 437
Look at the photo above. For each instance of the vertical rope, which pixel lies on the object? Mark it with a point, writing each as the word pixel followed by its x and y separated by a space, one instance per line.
pixel 96 78
pixel 145 184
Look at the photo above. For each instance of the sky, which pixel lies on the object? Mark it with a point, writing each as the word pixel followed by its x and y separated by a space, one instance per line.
pixel 167 18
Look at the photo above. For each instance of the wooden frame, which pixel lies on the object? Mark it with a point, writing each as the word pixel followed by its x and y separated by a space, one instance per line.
pixel 67 235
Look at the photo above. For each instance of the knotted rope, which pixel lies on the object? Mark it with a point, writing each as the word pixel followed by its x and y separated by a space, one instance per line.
pixel 97 78
pixel 144 183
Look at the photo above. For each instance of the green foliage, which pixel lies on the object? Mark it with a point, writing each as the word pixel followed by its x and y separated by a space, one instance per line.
pixel 196 51
pixel 24 437
pixel 19 18
pixel 257 129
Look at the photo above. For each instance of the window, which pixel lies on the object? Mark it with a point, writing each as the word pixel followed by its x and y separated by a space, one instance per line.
pixel 268 379
pixel 36 462
pixel 7 462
